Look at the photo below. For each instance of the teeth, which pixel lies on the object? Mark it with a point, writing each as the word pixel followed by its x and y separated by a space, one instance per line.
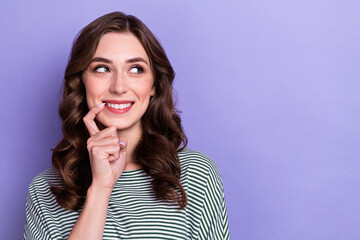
pixel 118 106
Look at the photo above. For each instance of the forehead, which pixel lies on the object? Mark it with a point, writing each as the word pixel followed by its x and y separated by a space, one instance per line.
pixel 119 47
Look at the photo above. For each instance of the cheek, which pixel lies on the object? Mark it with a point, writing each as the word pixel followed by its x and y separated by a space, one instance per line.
pixel 93 92
pixel 144 92
pixel 143 88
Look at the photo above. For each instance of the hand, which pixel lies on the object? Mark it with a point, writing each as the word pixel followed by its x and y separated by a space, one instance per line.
pixel 107 152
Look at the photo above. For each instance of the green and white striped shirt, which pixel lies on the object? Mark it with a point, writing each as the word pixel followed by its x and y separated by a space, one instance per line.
pixel 134 212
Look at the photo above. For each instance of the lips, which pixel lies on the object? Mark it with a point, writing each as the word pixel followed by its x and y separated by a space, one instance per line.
pixel 118 106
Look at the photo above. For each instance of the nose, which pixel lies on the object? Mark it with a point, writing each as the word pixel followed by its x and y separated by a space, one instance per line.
pixel 118 84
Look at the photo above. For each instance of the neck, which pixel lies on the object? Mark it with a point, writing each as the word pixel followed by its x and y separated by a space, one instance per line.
pixel 133 135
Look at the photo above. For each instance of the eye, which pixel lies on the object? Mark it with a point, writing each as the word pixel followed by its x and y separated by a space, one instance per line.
pixel 136 69
pixel 101 69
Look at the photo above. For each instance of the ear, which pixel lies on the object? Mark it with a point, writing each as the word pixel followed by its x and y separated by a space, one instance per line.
pixel 152 93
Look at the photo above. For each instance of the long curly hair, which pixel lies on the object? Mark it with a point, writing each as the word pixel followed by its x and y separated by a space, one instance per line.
pixel 162 133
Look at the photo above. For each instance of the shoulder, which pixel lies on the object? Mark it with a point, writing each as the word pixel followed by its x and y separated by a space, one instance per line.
pixel 194 163
pixel 43 181
pixel 40 196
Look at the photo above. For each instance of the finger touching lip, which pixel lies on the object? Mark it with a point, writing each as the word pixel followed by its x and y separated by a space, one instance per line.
pixel 89 119
pixel 101 104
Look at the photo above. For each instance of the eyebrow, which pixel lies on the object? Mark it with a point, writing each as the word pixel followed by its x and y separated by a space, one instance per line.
pixel 131 60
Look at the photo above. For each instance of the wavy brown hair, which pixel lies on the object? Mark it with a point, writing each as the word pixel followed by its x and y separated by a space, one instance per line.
pixel 162 133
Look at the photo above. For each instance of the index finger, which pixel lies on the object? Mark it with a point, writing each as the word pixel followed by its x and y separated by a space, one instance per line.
pixel 89 119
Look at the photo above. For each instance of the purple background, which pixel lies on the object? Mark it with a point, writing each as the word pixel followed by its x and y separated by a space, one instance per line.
pixel 268 89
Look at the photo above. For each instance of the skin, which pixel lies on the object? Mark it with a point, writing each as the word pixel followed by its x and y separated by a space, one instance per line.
pixel 120 80
pixel 120 71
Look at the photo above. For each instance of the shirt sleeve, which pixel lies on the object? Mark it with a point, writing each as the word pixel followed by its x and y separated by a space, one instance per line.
pixel 214 220
pixel 37 226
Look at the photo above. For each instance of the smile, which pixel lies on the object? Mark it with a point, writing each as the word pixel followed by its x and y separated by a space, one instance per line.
pixel 118 107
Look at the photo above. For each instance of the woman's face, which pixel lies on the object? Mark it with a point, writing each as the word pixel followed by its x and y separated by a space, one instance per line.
pixel 120 76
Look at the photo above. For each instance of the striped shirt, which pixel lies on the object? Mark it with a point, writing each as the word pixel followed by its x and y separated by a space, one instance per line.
pixel 134 212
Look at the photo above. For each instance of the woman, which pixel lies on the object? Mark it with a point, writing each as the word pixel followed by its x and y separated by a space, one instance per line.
pixel 121 170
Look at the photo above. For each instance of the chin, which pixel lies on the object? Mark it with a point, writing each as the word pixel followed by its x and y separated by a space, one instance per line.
pixel 121 125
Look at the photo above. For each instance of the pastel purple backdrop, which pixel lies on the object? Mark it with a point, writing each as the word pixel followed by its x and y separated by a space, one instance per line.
pixel 268 89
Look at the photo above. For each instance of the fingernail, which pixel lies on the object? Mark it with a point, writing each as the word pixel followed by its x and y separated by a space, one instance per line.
pixel 101 104
pixel 123 144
